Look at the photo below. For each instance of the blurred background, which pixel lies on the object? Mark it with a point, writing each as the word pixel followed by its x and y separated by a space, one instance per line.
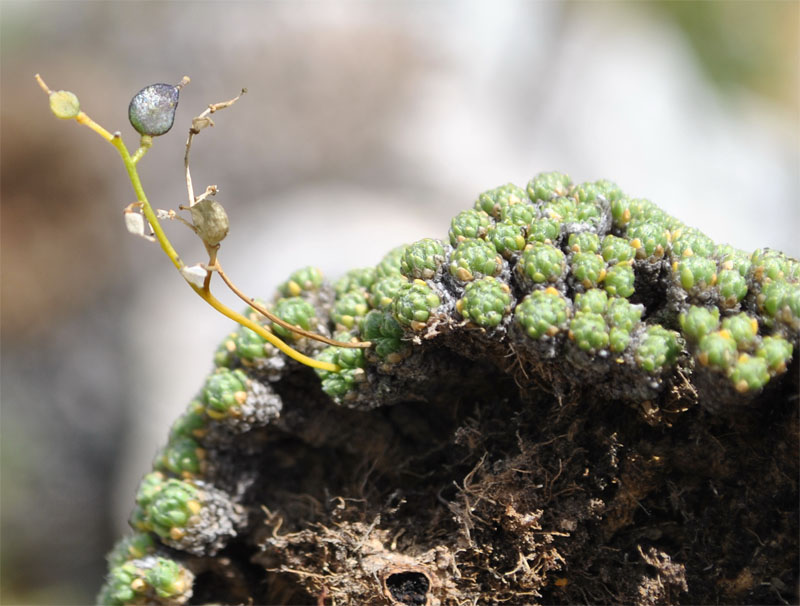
pixel 366 125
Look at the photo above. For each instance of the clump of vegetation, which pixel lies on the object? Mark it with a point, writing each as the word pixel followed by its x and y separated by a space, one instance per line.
pixel 574 397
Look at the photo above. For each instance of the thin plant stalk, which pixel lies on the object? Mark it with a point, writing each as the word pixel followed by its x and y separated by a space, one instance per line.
pixel 204 292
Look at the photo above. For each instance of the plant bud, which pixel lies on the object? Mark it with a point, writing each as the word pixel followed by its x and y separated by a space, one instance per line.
pixel 64 104
pixel 210 220
pixel 152 109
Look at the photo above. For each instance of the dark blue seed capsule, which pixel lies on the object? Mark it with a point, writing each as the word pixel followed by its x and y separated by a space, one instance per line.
pixel 152 109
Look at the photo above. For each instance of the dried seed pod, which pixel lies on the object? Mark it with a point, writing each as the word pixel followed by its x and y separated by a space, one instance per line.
pixel 210 220
pixel 152 109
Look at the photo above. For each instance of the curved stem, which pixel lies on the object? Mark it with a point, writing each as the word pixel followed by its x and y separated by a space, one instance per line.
pixel 264 333
pixel 147 210
pixel 82 118
pixel 265 312
pixel 204 293
pixel 144 146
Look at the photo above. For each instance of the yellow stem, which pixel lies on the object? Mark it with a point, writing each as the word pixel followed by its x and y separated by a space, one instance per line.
pixel 130 166
pixel 147 210
pixel 272 317
pixel 144 146
pixel 82 118
pixel 204 293
pixel 262 332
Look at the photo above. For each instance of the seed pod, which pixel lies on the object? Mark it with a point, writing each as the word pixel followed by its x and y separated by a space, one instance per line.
pixel 64 104
pixel 152 109
pixel 211 221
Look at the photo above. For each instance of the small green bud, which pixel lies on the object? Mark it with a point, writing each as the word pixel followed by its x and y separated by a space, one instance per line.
pixel 541 263
pixel 650 240
pixel 507 238
pixel 623 314
pixel 543 313
pixel 773 298
pixel 717 349
pixel 617 250
pixel 182 456
pixel 384 290
pixel 644 211
pixel 118 589
pixel 564 210
pixel 172 508
pixel 546 186
pixel 618 339
pixel 356 279
pixel 743 329
pixel 149 487
pixel 777 352
pixel 210 220
pixel 306 279
pixel 687 242
pixel 695 274
pixel 732 287
pixel 382 329
pixel 584 242
pixel 588 269
pixel 129 548
pixel 136 582
pixel 589 331
pixel 349 309
pixel 349 357
pixel 494 200
pixel 152 110
pixel 593 300
pixel 192 423
pixel 697 322
pixel 589 212
pixel 657 349
pixel 390 264
pixel 485 302
pixel 473 259
pixel 338 384
pixel 168 579
pixel 225 390
pixel 620 212
pixel 414 304
pixel 248 344
pixel 64 104
pixel 620 279
pixel 729 257
pixel 601 189
pixel 768 264
pixel 749 373
pixel 518 214
pixel 297 312
pixel 470 223
pixel 422 259
pixel 545 230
